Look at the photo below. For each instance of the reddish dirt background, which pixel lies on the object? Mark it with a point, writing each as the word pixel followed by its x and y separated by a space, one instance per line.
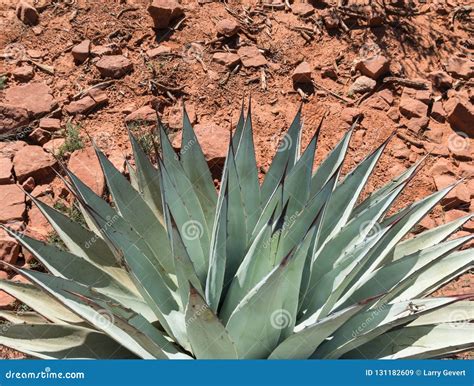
pixel 416 44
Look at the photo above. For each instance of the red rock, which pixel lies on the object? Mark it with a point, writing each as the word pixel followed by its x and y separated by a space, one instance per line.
pixel 38 227
pixel 214 141
pixel 442 166
pixel 12 204
pixel 86 104
pixel 43 191
pixel 9 248
pixel 81 51
pixel 29 184
pixel 20 279
pixel 144 115
pixel 302 73
pixel 8 149
pixel 467 170
pixel 81 106
pixel 6 300
pixel 437 112
pixel 36 54
pixel 374 67
pixel 421 95
pixel 454 214
pixel 100 97
pixel 35 97
pixel 302 9
pixel 40 136
pixel 460 114
pixel 399 149
pixel 158 51
pixel 118 160
pixel 413 108
pixel 436 149
pixel 163 12
pixel 376 102
pixel 441 80
pixel 105 50
pixel 362 85
pixel 11 118
pixel 227 27
pixel 425 224
pixel 85 165
pixel 5 170
pixel 460 68
pixel 417 125
pixel 27 13
pixel 458 197
pixel 460 147
pixel 251 56
pixel 23 73
pixel 50 124
pixel 32 161
pixel 393 114
pixel 386 95
pixel 114 66
pixel 226 59
pixel 349 114
pixel 54 146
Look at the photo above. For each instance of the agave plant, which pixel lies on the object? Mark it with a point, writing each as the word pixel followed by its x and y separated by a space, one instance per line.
pixel 296 267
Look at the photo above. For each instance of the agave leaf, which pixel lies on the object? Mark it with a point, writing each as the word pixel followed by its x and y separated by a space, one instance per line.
pixel 295 199
pixel 419 342
pixel 393 278
pixel 186 211
pixel 311 333
pixel 36 299
pixel 147 179
pixel 297 226
pixel 332 163
pixel 218 253
pixel 367 325
pixel 67 265
pixel 60 341
pixel 257 317
pixel 195 166
pixel 285 157
pixel 461 312
pixel 427 238
pixel 246 167
pixel 184 268
pixel 239 128
pixel 86 244
pixel 136 212
pixel 380 193
pixel 401 223
pixel 258 262
pixel 77 298
pixel 208 337
pixel 435 276
pixel 345 195
pixel 145 271
pixel 352 234
pixel 133 176
pixel 322 295
pixel 236 218
pixel 22 317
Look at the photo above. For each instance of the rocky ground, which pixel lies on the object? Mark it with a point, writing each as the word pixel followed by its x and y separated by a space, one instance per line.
pixel 77 70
